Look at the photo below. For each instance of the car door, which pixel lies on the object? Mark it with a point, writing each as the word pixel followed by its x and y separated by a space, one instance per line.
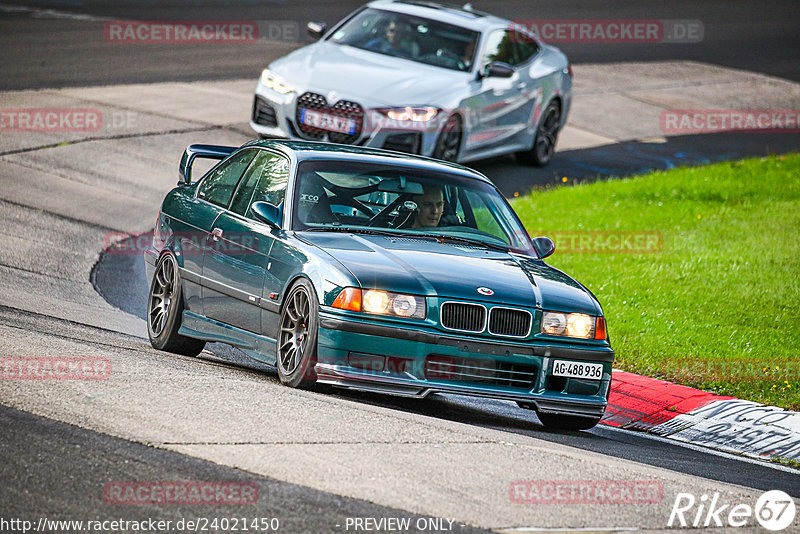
pixel 497 103
pixel 529 84
pixel 236 263
pixel 213 195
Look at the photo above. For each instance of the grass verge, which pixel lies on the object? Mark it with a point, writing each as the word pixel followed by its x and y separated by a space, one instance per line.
pixel 710 297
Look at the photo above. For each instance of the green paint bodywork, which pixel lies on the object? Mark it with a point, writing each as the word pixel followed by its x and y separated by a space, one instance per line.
pixel 234 295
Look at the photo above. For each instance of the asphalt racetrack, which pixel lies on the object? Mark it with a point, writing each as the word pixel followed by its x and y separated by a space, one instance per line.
pixel 57 43
pixel 319 460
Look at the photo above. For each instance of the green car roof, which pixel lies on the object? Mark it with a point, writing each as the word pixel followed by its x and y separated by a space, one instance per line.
pixel 314 150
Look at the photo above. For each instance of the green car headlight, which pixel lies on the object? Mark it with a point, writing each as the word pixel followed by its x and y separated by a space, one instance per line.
pixel 276 83
pixel 577 325
pixel 381 303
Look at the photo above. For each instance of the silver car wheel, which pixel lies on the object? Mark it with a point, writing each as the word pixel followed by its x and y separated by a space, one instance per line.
pixel 449 142
pixel 546 136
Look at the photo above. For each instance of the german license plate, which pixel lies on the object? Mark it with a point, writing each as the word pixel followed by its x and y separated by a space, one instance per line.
pixel 589 371
pixel 326 121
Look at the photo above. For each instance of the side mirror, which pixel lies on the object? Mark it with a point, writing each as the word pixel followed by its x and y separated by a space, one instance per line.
pixel 266 213
pixel 498 69
pixel 544 246
pixel 316 29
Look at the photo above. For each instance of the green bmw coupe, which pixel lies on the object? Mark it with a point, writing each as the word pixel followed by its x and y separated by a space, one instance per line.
pixel 373 270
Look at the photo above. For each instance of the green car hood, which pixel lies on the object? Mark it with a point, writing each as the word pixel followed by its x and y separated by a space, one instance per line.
pixel 454 271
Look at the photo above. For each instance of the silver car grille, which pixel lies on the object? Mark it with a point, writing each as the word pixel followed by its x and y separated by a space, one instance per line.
pixel 510 322
pixel 463 317
pixel 503 321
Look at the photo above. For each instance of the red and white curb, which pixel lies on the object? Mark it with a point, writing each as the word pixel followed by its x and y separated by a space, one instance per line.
pixel 701 418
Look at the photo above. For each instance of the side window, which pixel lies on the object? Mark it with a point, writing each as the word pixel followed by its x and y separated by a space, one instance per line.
pixel 527 47
pixel 500 47
pixel 218 187
pixel 247 186
pixel 485 218
pixel 265 181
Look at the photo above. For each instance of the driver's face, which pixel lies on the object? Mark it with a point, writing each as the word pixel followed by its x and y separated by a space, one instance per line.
pixel 391 32
pixel 429 208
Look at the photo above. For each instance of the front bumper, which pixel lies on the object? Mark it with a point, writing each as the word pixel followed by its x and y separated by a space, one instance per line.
pixel 398 361
pixel 274 115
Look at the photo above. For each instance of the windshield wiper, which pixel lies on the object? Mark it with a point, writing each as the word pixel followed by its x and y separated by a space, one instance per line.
pixel 465 241
pixel 353 229
pixel 439 238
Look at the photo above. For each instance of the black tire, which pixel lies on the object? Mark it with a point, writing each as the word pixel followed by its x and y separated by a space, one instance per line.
pixel 567 422
pixel 165 310
pixel 448 144
pixel 297 337
pixel 544 143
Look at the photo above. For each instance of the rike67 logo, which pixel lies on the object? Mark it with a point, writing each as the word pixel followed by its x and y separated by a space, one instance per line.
pixel 774 510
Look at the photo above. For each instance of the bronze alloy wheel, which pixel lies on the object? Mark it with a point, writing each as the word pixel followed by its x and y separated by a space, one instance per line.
pixel 165 310
pixel 161 295
pixel 297 338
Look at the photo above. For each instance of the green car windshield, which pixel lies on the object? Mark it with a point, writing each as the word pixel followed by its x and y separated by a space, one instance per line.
pixel 397 200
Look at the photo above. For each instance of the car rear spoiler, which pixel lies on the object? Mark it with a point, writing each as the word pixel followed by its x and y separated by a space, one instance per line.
pixel 193 152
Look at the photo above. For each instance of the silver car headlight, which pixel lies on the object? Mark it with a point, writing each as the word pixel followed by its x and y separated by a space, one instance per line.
pixel 409 113
pixel 275 82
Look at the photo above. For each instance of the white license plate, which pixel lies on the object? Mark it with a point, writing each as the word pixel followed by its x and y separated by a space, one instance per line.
pixel 326 121
pixel 589 371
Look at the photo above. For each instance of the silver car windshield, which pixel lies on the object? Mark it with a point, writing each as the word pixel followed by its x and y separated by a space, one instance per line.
pixel 414 38
pixel 363 197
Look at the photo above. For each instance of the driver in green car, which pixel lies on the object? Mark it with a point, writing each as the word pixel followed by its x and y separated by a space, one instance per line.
pixel 430 206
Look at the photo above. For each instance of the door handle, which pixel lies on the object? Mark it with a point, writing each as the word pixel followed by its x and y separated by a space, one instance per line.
pixel 216 234
pixel 522 86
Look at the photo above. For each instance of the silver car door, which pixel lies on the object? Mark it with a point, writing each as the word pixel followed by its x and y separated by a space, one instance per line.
pixel 495 110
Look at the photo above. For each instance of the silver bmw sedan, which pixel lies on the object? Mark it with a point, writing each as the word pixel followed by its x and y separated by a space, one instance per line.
pixel 423 78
